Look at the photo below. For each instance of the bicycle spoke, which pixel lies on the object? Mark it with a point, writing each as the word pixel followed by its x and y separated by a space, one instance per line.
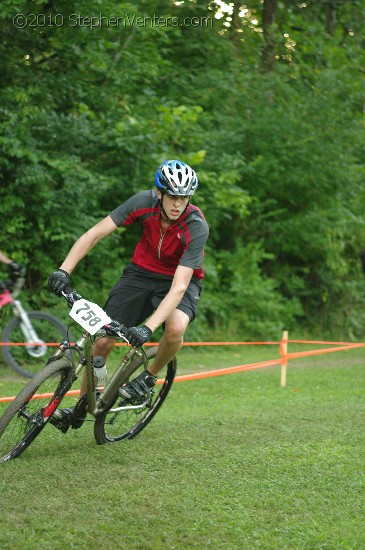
pixel 26 415
pixel 125 419
pixel 28 359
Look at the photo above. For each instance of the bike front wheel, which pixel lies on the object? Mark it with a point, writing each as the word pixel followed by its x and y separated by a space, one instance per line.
pixel 125 420
pixel 29 358
pixel 33 407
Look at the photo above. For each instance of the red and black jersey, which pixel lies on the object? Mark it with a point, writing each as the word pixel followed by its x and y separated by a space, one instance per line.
pixel 182 243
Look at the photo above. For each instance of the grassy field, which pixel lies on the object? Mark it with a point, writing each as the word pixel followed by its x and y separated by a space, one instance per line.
pixel 232 462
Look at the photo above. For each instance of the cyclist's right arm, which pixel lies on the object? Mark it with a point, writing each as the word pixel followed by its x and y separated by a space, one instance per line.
pixel 86 242
pixel 5 259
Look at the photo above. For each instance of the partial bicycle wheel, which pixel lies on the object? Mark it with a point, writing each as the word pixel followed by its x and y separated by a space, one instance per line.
pixel 28 359
pixel 125 420
pixel 30 411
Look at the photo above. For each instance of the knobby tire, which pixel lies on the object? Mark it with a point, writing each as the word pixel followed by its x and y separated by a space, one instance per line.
pixel 48 328
pixel 111 427
pixel 23 421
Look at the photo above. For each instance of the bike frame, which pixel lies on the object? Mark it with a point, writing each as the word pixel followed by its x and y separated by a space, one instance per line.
pixel 84 349
pixel 34 347
pixel 25 417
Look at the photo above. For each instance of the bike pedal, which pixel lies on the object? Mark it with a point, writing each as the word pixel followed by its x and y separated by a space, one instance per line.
pixel 76 423
pixel 59 425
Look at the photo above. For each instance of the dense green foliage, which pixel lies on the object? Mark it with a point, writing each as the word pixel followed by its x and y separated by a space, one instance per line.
pixel 272 122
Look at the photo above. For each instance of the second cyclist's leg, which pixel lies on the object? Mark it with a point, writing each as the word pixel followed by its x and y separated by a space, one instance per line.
pixel 169 345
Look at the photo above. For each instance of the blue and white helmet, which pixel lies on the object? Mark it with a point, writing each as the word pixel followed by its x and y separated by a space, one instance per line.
pixel 174 177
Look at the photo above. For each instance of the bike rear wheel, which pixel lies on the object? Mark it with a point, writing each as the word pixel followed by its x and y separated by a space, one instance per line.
pixel 126 420
pixel 28 360
pixel 27 415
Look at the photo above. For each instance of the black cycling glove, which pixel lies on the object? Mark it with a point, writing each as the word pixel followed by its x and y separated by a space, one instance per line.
pixel 137 336
pixel 16 270
pixel 58 281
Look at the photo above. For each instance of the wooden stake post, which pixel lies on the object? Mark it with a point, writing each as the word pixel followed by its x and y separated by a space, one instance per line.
pixel 284 358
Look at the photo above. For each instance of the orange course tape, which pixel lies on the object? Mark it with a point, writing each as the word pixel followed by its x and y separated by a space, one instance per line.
pixel 231 370
pixel 182 378
pixel 150 343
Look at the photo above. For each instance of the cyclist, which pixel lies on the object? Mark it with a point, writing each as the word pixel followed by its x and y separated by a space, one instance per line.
pixel 164 281
pixel 15 270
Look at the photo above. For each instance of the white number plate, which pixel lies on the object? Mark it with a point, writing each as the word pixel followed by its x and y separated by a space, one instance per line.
pixel 90 316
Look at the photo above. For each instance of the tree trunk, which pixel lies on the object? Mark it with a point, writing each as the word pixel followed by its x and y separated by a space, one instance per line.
pixel 236 24
pixel 330 17
pixel 268 18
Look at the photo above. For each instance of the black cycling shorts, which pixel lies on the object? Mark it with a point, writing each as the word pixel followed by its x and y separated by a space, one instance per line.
pixel 139 292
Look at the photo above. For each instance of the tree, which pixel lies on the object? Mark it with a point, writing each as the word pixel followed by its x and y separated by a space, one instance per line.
pixel 262 100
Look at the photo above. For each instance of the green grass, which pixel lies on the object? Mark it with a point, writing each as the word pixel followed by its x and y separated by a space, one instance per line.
pixel 231 462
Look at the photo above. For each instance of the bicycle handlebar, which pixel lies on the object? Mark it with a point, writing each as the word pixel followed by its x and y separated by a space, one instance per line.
pixel 113 328
pixel 71 296
pixel 14 285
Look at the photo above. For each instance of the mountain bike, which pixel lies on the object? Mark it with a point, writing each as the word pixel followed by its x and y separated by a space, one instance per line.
pixel 31 329
pixel 115 419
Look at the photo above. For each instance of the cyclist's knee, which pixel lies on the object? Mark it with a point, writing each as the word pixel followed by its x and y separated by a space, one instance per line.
pixel 174 331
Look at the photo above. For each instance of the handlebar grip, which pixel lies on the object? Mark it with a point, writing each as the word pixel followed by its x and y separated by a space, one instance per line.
pixel 71 296
pixel 116 328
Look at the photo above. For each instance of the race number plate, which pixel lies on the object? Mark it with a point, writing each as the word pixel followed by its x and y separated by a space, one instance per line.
pixel 90 316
